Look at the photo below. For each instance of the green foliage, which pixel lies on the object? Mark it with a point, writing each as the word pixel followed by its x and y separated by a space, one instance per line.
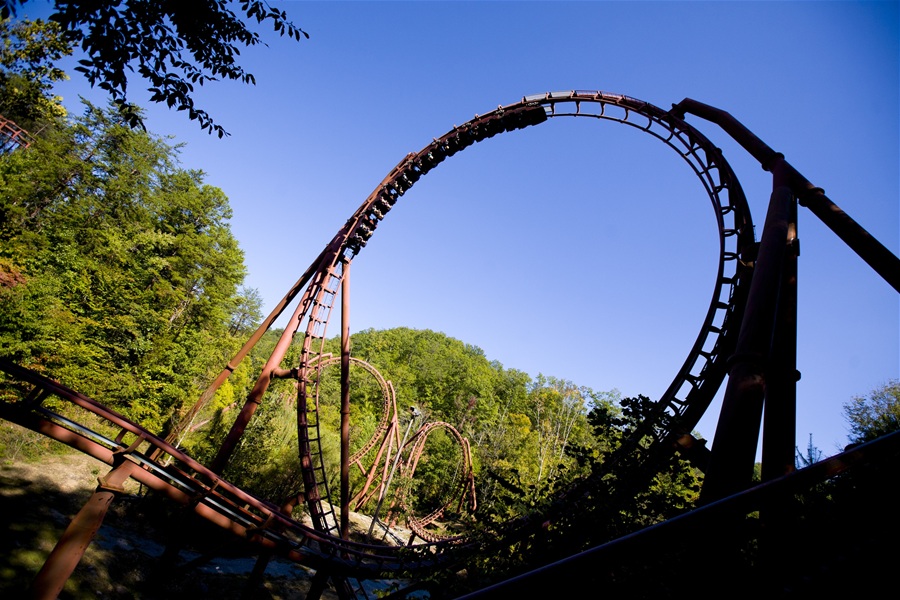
pixel 172 45
pixel 246 312
pixel 438 473
pixel 634 483
pixel 266 462
pixel 874 415
pixel 520 430
pixel 28 50
pixel 452 379
pixel 203 436
pixel 118 266
pixel 18 443
pixel 627 487
pixel 559 409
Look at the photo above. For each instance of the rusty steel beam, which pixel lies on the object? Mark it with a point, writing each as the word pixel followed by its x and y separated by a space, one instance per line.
pixel 164 485
pixel 68 551
pixel 388 437
pixel 345 403
pixel 780 415
pixel 193 484
pixel 780 389
pixel 873 252
pixel 255 396
pixel 13 137
pixel 737 432
pixel 238 358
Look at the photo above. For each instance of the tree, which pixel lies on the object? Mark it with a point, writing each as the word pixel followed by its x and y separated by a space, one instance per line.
pixel 559 409
pixel 246 312
pixel 28 50
pixel 874 415
pixel 118 266
pixel 172 44
pixel 811 457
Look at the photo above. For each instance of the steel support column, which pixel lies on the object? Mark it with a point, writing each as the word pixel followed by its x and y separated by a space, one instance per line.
pixel 780 415
pixel 345 403
pixel 233 364
pixel 75 540
pixel 737 432
pixel 873 252
pixel 254 398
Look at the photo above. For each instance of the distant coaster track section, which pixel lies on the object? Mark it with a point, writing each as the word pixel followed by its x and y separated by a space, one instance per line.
pixel 387 402
pixel 696 382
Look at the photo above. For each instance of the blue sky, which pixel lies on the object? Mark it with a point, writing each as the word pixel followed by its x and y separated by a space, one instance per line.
pixel 585 251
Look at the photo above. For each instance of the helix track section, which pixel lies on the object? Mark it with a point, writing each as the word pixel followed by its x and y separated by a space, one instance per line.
pixel 47 407
pixel 461 488
pixel 693 387
pixel 387 403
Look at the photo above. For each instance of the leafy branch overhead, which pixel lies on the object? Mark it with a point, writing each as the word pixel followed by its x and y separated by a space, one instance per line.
pixel 172 44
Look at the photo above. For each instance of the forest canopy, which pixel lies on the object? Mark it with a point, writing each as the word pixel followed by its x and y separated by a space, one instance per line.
pixel 119 273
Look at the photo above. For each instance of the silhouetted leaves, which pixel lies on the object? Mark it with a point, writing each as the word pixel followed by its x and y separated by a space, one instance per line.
pixel 172 44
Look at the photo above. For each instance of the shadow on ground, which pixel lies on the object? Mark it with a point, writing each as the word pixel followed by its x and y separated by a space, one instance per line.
pixel 38 499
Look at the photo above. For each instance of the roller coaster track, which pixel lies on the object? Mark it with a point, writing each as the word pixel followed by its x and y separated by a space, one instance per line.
pixel 60 413
pixel 387 403
pixel 695 384
pixel 12 137
pixel 462 486
pixel 46 406
pixel 684 402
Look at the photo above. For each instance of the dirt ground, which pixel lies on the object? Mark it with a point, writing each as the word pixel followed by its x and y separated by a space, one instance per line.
pixel 38 498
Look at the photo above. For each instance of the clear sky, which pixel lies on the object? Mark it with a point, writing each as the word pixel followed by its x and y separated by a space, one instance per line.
pixel 582 250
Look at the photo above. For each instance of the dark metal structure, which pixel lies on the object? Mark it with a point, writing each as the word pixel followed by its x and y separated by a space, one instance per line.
pixel 12 137
pixel 748 334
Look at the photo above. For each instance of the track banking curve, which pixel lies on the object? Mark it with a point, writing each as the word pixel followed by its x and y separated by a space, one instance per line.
pixel 163 467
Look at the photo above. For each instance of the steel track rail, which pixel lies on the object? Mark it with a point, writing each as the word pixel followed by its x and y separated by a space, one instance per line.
pixel 678 410
pixel 695 384
pixel 460 486
pixel 386 402
pixel 50 408
pixel 12 137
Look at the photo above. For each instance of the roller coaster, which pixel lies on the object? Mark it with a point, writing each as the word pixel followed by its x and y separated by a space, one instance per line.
pixel 747 337
pixel 12 137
